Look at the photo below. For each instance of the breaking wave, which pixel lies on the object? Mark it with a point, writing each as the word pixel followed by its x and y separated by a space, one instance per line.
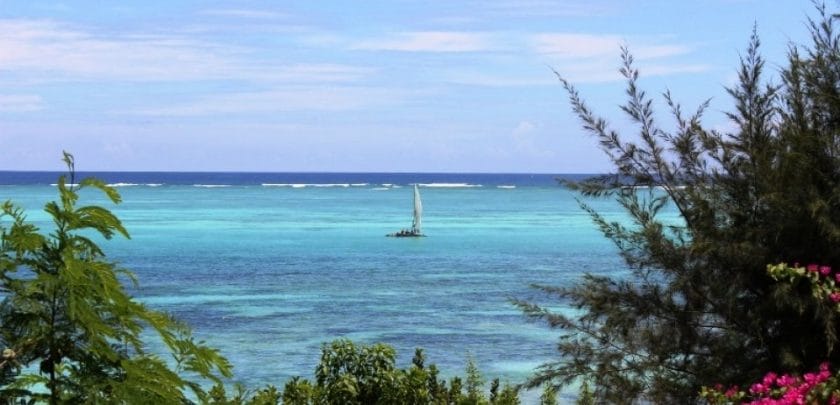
pixel 449 185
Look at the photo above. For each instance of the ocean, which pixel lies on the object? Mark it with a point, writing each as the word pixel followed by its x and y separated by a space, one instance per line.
pixel 269 266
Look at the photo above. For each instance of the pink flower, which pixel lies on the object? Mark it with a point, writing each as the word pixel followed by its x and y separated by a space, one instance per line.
pixel 813 268
pixel 769 379
pixel 731 391
pixel 835 296
pixel 794 396
pixel 837 277
pixel 825 270
pixel 758 388
pixel 786 381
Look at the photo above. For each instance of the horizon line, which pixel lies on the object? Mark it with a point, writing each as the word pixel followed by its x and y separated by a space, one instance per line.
pixel 292 172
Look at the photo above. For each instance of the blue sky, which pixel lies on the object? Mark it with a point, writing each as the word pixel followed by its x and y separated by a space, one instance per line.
pixel 400 85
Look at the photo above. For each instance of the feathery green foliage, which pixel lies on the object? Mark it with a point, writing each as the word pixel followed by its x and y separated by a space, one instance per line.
pixel 699 307
pixel 70 332
pixel 585 396
pixel 549 395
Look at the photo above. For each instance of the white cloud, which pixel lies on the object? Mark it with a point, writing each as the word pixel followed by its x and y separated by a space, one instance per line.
pixel 595 57
pixel 245 13
pixel 321 72
pixel 525 141
pixel 523 128
pixel 568 46
pixel 47 47
pixel 297 98
pixel 571 46
pixel 53 51
pixel 605 70
pixel 664 70
pixel 644 52
pixel 429 41
pixel 473 78
pixel 543 8
pixel 20 103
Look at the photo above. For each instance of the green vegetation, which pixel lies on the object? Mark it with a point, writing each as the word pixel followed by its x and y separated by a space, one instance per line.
pixel 353 374
pixel 700 308
pixel 70 332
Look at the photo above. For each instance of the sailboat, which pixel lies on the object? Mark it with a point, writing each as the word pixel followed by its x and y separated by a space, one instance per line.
pixel 415 230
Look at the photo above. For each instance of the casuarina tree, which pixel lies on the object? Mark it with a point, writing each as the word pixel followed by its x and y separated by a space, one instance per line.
pixel 698 306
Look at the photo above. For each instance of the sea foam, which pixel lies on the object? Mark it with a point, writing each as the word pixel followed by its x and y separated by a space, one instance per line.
pixel 449 185
pixel 302 185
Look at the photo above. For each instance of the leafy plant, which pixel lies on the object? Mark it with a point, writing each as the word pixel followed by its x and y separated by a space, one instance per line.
pixel 68 325
pixel 349 373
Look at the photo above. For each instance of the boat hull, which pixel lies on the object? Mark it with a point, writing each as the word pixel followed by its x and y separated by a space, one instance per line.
pixel 405 235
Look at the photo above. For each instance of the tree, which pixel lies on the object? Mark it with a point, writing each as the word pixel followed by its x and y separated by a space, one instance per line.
pixel 65 312
pixel 475 383
pixel 350 373
pixel 699 306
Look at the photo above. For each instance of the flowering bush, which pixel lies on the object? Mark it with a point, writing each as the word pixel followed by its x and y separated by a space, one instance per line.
pixel 812 388
pixel 824 284
pixel 819 387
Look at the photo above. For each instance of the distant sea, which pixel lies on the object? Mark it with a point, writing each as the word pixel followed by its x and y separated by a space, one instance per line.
pixel 268 266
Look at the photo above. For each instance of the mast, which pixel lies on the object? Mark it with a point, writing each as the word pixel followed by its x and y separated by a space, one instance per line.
pixel 418 211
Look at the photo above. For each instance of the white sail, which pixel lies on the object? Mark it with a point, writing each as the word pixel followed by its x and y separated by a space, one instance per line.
pixel 418 211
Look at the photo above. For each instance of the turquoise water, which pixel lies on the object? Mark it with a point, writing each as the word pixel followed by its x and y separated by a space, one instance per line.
pixel 269 273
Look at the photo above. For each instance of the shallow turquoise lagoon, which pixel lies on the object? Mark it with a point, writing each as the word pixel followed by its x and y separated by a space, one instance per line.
pixel 267 273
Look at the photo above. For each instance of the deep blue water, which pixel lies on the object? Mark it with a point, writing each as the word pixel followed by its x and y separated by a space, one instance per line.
pixel 250 178
pixel 268 266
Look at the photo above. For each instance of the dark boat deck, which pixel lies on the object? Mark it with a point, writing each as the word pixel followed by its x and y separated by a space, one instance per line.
pixel 405 234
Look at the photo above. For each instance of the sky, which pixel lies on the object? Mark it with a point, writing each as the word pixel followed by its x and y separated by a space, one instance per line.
pixel 357 86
